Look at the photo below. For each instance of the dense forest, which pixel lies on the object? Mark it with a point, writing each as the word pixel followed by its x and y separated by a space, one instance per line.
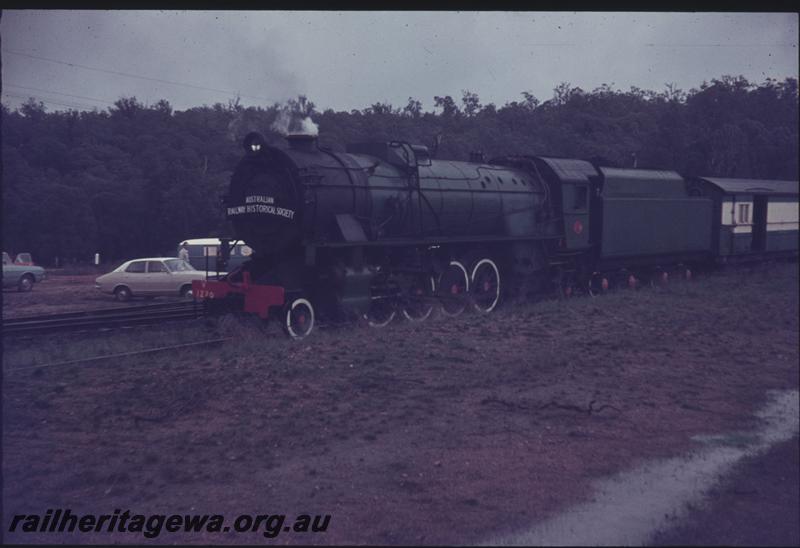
pixel 134 180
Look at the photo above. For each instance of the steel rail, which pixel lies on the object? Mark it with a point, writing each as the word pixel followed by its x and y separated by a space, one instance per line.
pixel 104 318
pixel 103 311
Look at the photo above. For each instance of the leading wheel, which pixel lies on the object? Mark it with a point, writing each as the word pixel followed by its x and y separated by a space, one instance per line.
pixel 453 289
pixel 298 318
pixel 418 299
pixel 485 282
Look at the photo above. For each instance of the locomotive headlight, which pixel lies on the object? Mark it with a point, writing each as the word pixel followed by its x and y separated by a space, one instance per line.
pixel 253 142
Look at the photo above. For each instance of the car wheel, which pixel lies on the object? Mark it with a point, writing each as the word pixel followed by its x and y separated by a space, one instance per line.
pixel 122 294
pixel 186 292
pixel 25 283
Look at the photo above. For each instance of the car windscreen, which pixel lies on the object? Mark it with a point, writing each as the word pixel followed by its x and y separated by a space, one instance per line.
pixel 178 265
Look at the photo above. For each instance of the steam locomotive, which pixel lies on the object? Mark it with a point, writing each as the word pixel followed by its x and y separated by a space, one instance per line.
pixel 384 229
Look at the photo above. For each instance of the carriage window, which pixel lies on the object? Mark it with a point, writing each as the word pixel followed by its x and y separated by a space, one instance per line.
pixel 744 214
pixel 210 251
pixel 581 195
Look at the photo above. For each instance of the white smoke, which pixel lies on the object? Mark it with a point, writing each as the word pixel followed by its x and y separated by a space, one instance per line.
pixel 289 122
pixel 282 122
pixel 308 127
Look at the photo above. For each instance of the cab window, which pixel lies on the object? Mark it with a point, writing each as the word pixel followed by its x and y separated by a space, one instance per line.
pixel 136 268
pixel 581 197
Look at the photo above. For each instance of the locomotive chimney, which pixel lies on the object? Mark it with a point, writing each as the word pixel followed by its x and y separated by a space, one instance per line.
pixel 302 141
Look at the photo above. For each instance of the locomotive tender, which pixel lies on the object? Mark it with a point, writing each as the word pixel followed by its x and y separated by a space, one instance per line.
pixel 384 229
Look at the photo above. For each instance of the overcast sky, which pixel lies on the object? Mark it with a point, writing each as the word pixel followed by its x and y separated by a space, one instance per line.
pixel 350 60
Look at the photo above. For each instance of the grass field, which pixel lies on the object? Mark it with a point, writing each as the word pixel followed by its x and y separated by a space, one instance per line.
pixel 452 431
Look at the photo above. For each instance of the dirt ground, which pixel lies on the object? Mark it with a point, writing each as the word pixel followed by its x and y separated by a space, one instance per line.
pixel 64 291
pixel 452 431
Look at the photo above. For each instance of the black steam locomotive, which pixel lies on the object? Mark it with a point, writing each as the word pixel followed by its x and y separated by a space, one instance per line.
pixel 385 230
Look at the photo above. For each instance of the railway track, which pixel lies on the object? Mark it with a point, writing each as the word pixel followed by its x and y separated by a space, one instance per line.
pixel 104 318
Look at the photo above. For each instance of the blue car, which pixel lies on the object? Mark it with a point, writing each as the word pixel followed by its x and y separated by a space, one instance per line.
pixel 22 274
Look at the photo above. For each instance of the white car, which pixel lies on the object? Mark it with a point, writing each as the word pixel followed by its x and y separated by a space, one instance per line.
pixel 150 277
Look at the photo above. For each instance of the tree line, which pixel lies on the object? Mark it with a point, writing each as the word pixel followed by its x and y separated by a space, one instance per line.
pixel 134 180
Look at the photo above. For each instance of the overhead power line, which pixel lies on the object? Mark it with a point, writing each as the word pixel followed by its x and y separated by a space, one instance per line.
pixel 130 75
pixel 60 93
pixel 51 101
pixel 720 45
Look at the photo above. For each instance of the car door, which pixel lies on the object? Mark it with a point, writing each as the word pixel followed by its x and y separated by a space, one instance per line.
pixel 159 279
pixel 11 274
pixel 133 277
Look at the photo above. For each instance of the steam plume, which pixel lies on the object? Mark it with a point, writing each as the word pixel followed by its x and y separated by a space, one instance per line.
pixel 288 122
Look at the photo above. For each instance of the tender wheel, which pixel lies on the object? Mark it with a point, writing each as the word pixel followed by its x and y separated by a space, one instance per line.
pixel 485 282
pixel 186 292
pixel 598 284
pixel 418 300
pixel 299 318
pixel 566 285
pixel 682 272
pixel 453 289
pixel 660 277
pixel 122 294
pixel 25 283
